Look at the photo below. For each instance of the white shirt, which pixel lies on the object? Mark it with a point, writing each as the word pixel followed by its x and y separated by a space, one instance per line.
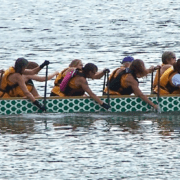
pixel 176 79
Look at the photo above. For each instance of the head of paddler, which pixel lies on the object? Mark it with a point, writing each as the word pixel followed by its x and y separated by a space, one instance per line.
pixel 168 57
pixel 138 68
pixel 20 65
pixel 76 63
pixel 126 62
pixel 32 65
pixel 89 70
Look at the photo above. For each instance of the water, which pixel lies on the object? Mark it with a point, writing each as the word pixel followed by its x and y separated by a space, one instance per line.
pixel 89 146
pixel 102 32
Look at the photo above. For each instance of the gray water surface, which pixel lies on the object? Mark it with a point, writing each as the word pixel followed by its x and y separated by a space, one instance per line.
pixel 90 146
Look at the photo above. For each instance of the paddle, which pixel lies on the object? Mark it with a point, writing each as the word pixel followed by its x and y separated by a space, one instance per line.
pixel 158 93
pixel 45 88
pixel 152 82
pixel 108 88
pixel 103 93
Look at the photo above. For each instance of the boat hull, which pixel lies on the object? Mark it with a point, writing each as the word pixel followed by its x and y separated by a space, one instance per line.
pixel 86 104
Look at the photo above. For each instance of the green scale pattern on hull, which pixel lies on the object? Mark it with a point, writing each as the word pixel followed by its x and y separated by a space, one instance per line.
pixel 118 104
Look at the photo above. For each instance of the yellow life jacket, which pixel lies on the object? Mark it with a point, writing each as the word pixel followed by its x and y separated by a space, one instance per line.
pixel 56 89
pixel 166 86
pixel 20 93
pixel 7 88
pixel 59 77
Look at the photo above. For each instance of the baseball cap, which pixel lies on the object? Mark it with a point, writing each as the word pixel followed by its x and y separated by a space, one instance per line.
pixel 127 59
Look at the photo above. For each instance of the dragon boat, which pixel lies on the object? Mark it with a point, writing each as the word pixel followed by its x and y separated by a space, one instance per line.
pixel 167 103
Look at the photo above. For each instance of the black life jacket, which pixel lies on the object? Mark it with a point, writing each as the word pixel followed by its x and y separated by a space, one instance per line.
pixel 115 83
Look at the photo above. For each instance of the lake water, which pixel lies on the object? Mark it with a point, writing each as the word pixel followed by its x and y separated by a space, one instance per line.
pixel 89 146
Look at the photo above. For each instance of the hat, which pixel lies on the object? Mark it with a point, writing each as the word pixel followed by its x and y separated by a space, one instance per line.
pixel 127 59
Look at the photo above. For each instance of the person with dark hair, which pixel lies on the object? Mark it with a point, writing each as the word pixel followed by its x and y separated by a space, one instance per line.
pixel 64 77
pixel 170 80
pixel 29 81
pixel 125 82
pixel 78 85
pixel 168 59
pixel 13 77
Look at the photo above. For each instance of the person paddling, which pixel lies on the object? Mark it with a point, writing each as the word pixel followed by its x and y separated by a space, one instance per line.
pixel 64 77
pixel 13 77
pixel 168 59
pixel 78 85
pixel 170 80
pixel 125 82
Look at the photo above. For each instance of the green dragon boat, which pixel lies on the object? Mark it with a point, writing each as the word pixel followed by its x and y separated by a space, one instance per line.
pixel 169 103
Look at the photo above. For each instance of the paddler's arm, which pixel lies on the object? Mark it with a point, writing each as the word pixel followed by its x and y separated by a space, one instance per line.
pixel 135 86
pixel 100 74
pixel 41 78
pixel 82 81
pixel 22 85
pixel 36 70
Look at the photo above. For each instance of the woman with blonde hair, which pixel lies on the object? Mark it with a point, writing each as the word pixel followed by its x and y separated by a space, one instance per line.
pixel 76 63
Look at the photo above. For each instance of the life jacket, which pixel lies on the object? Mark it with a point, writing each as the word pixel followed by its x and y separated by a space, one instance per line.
pixel 7 87
pixel 60 77
pixel 29 85
pixel 110 78
pixel 72 89
pixel 166 86
pixel 2 93
pixel 61 83
pixel 56 89
pixel 118 84
pixel 67 78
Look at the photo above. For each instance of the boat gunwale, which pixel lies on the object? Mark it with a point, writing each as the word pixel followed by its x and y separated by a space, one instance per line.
pixel 88 97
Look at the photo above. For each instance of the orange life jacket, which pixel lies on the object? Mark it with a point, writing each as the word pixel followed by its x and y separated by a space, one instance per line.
pixel 166 86
pixel 56 89
pixel 7 88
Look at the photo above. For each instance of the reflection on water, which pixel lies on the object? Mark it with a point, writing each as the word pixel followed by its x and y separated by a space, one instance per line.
pixel 90 146
pixel 166 123
pixel 16 126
